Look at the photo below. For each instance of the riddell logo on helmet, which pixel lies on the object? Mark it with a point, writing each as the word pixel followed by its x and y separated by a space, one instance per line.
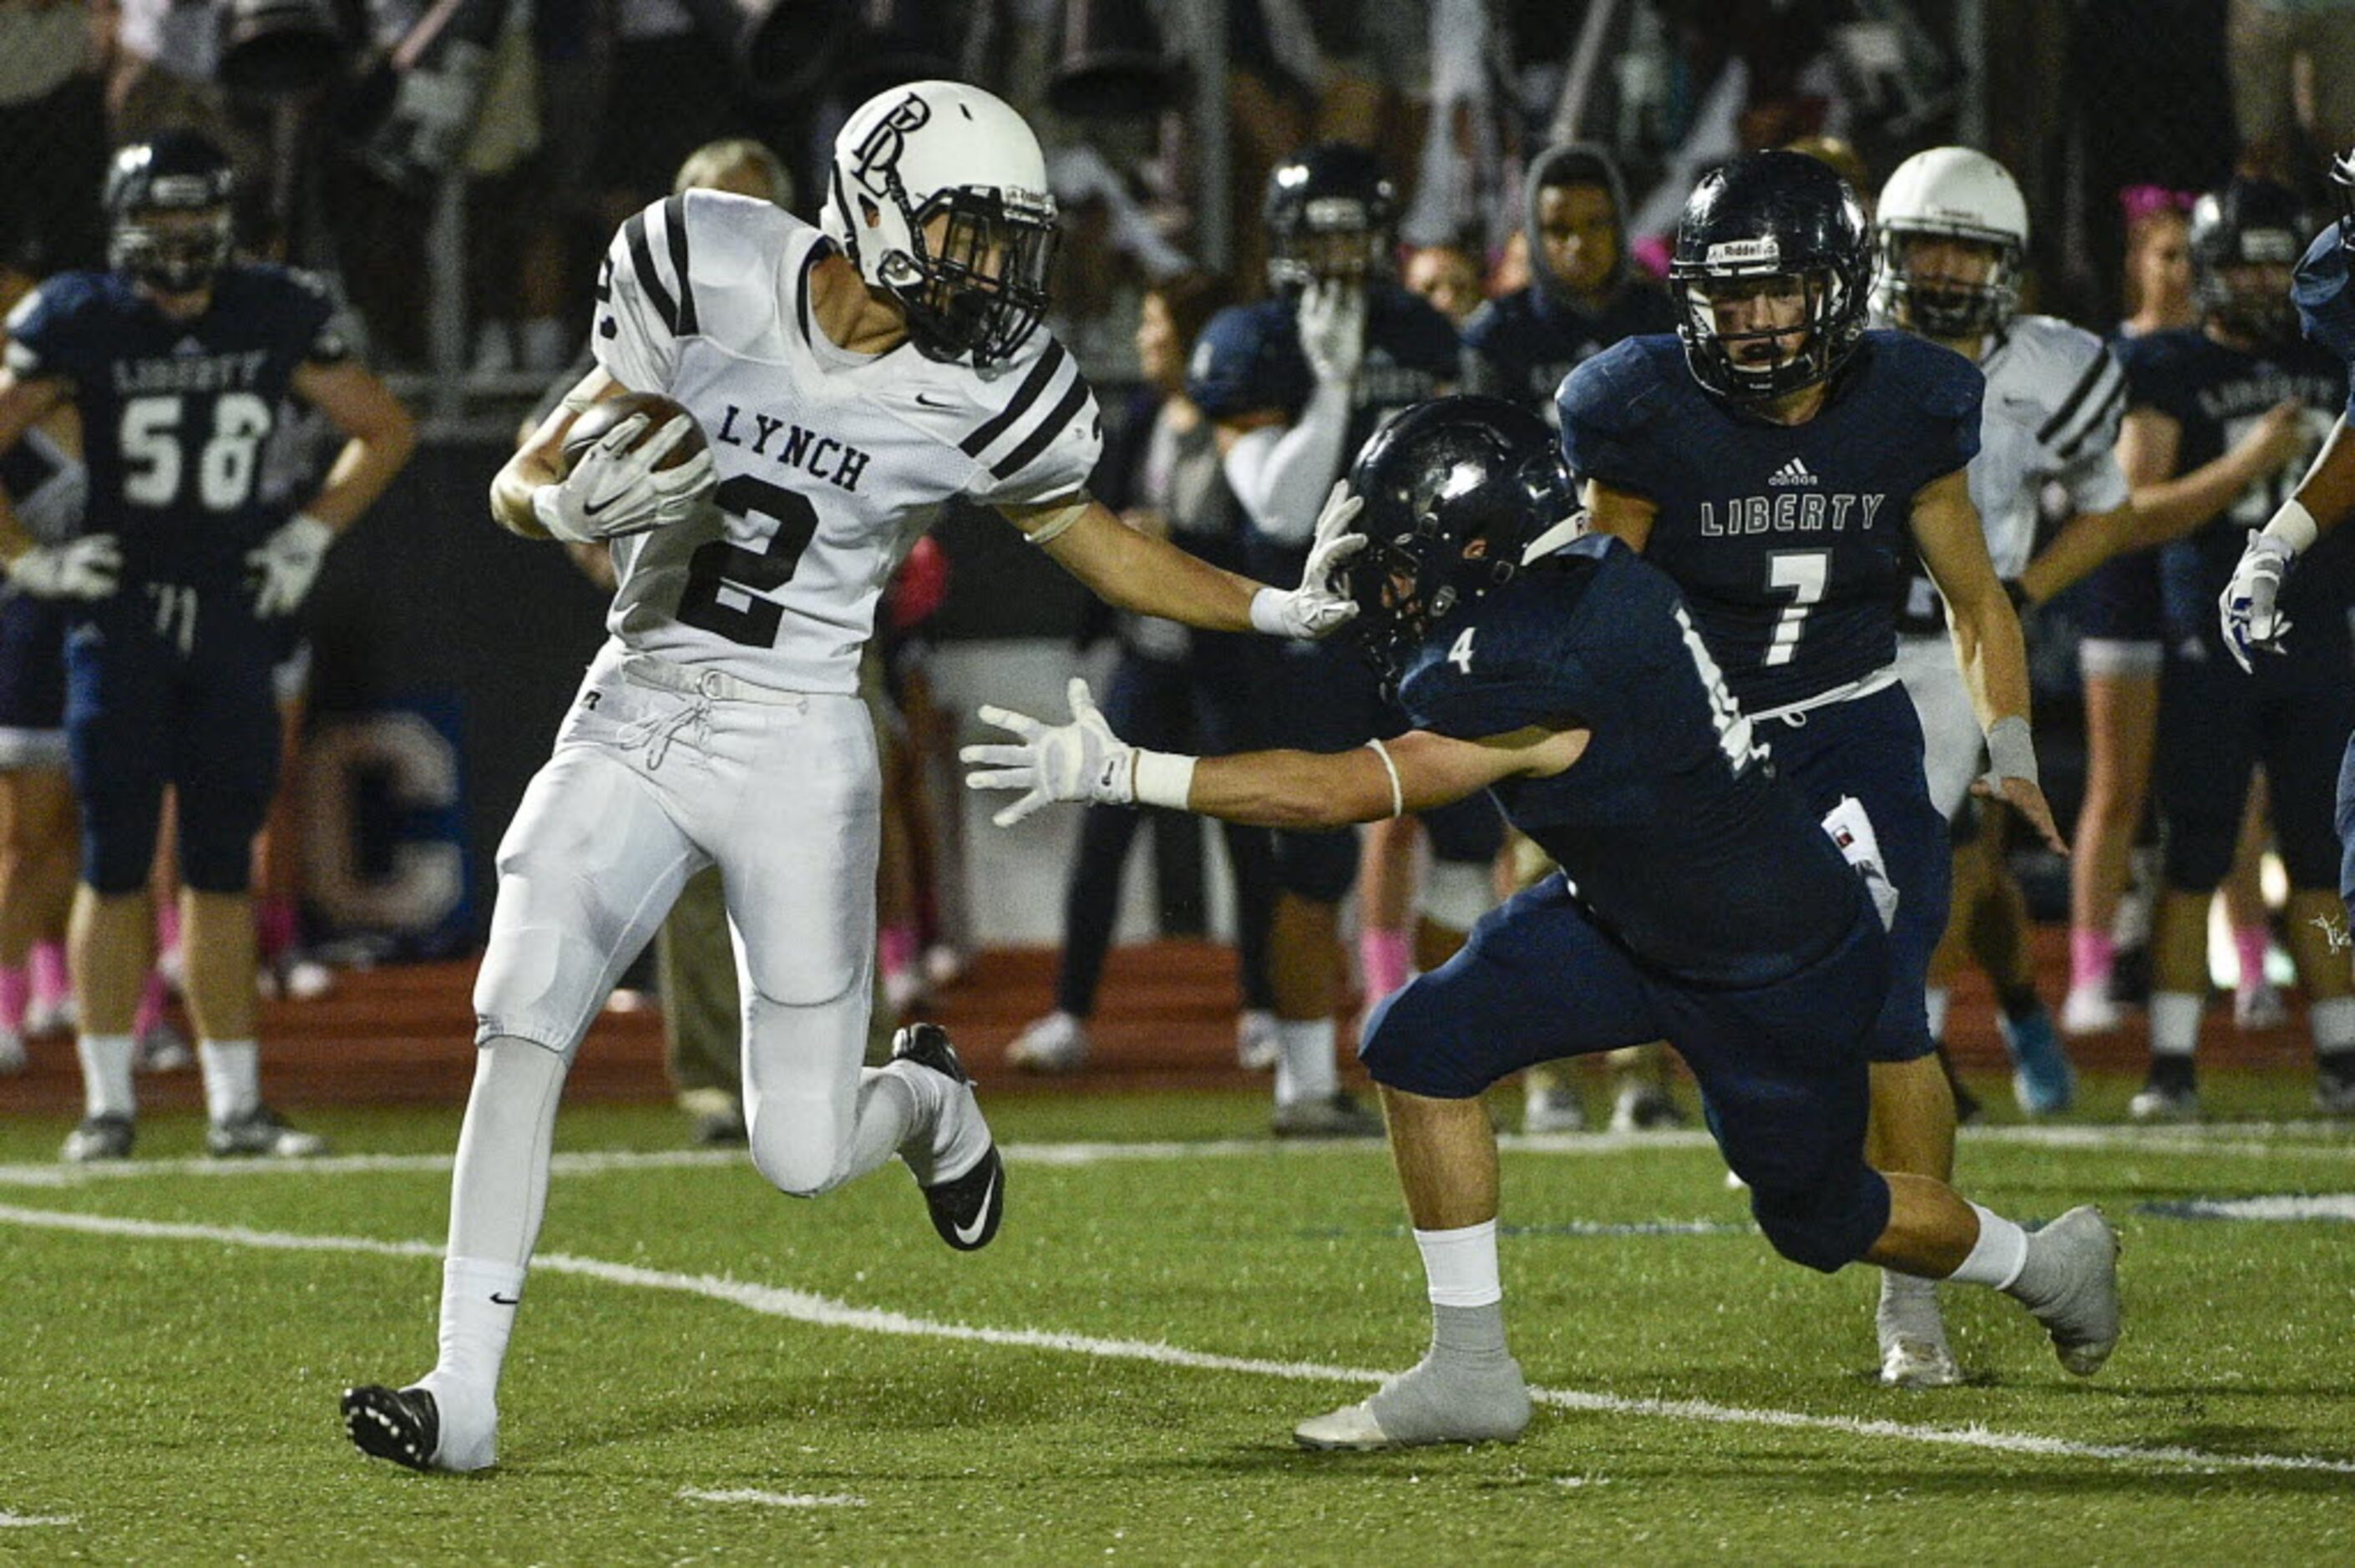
pixel 878 155
pixel 1745 252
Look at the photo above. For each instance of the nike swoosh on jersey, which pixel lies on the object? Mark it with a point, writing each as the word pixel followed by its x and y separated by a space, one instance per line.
pixel 981 1216
pixel 925 402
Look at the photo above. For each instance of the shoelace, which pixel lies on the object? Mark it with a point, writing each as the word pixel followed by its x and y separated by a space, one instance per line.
pixel 656 731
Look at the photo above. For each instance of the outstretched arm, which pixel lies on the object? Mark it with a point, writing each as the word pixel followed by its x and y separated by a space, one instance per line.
pixel 1134 571
pixel 1084 760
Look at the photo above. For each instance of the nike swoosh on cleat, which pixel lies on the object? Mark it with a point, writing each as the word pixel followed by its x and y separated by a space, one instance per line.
pixel 966 1234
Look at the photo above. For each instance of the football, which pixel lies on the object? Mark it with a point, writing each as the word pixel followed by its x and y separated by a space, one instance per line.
pixel 598 418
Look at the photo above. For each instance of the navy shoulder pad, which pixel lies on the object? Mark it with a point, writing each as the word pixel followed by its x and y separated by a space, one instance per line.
pixel 1943 383
pixel 1620 389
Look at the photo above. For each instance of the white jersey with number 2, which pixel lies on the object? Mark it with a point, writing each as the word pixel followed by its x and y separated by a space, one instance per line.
pixel 830 464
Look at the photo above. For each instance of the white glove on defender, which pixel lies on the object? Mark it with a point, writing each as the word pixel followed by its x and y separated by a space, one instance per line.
pixel 1317 608
pixel 1081 761
pixel 2247 603
pixel 1332 320
pixel 613 490
pixel 287 563
pixel 86 567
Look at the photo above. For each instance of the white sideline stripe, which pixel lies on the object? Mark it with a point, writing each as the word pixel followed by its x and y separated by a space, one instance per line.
pixel 33 1520
pixel 772 1500
pixel 2252 1139
pixel 2272 1206
pixel 802 1306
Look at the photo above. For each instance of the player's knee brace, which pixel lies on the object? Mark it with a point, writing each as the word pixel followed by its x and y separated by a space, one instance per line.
pixel 1455 894
pixel 1317 866
pixel 1823 1227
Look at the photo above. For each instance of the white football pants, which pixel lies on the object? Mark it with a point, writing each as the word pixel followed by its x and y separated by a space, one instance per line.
pixel 1954 747
pixel 658 771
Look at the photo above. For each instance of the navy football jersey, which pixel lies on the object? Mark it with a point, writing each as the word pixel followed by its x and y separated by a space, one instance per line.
pixel 1670 826
pixel 175 414
pixel 2324 306
pixel 1248 360
pixel 2214 395
pixel 1791 542
pixel 1519 345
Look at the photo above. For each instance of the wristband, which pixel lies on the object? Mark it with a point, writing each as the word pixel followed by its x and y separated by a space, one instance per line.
pixel 1267 615
pixel 547 511
pixel 2011 753
pixel 1398 795
pixel 2294 525
pixel 1162 779
pixel 1048 533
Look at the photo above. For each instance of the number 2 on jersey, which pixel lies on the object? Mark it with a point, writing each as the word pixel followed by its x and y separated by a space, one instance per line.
pixel 724 581
pixel 1805 573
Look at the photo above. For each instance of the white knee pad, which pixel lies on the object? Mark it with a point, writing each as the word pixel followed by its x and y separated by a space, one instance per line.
pixel 1455 894
pixel 801 1088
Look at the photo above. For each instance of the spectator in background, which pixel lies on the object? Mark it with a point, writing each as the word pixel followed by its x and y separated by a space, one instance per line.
pixel 53 120
pixel 1180 688
pixel 46 483
pixel 2287 116
pixel 2119 615
pixel 1449 276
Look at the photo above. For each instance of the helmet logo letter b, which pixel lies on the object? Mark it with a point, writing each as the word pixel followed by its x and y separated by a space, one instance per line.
pixel 878 155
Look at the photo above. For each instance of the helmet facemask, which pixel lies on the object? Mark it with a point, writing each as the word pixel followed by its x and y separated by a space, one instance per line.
pixel 1942 305
pixel 974 278
pixel 1335 240
pixel 1774 351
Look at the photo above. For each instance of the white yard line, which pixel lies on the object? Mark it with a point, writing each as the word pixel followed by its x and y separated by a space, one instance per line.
pixel 772 1500
pixel 821 1311
pixel 34 1520
pixel 2294 1140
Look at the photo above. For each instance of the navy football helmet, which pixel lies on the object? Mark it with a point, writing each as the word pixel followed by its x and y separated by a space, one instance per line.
pixel 1331 212
pixel 1454 491
pixel 1767 223
pixel 167 210
pixel 2247 226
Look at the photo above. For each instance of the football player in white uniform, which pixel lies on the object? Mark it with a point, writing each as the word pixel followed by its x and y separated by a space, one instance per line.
pixel 1953 232
pixel 848 381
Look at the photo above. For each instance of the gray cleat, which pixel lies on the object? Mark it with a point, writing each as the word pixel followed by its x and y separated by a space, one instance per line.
pixel 1433 1401
pixel 2083 1314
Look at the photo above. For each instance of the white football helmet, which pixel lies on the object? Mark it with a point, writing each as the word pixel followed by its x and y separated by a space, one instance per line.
pixel 976 287
pixel 1957 193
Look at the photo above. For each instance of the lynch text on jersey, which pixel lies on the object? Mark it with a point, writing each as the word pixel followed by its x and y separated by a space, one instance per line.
pixel 1790 511
pixel 823 457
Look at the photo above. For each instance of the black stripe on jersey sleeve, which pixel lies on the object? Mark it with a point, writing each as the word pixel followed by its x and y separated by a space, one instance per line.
pixel 1033 385
pixel 1050 427
pixel 675 230
pixel 2077 394
pixel 2105 418
pixel 642 260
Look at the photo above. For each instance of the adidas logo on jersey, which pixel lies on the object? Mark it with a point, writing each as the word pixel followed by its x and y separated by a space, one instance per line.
pixel 1793 472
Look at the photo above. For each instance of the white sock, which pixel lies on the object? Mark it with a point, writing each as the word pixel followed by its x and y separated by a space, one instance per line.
pixel 478 1309
pixel 232 1070
pixel 106 1074
pixel 1305 1069
pixel 498 1189
pixel 1997 1257
pixel 2175 1022
pixel 2333 1024
pixel 1933 1001
pixel 1459 1266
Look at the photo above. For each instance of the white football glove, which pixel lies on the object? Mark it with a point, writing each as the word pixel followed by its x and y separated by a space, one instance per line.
pixel 1332 318
pixel 613 490
pixel 2247 603
pixel 287 563
pixel 1319 606
pixel 1081 761
pixel 86 567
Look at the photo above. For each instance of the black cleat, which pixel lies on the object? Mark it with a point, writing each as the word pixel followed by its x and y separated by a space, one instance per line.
pixel 402 1425
pixel 966 1209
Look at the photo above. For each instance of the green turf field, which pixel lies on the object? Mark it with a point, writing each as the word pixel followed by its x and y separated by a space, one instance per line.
pixel 707 1371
